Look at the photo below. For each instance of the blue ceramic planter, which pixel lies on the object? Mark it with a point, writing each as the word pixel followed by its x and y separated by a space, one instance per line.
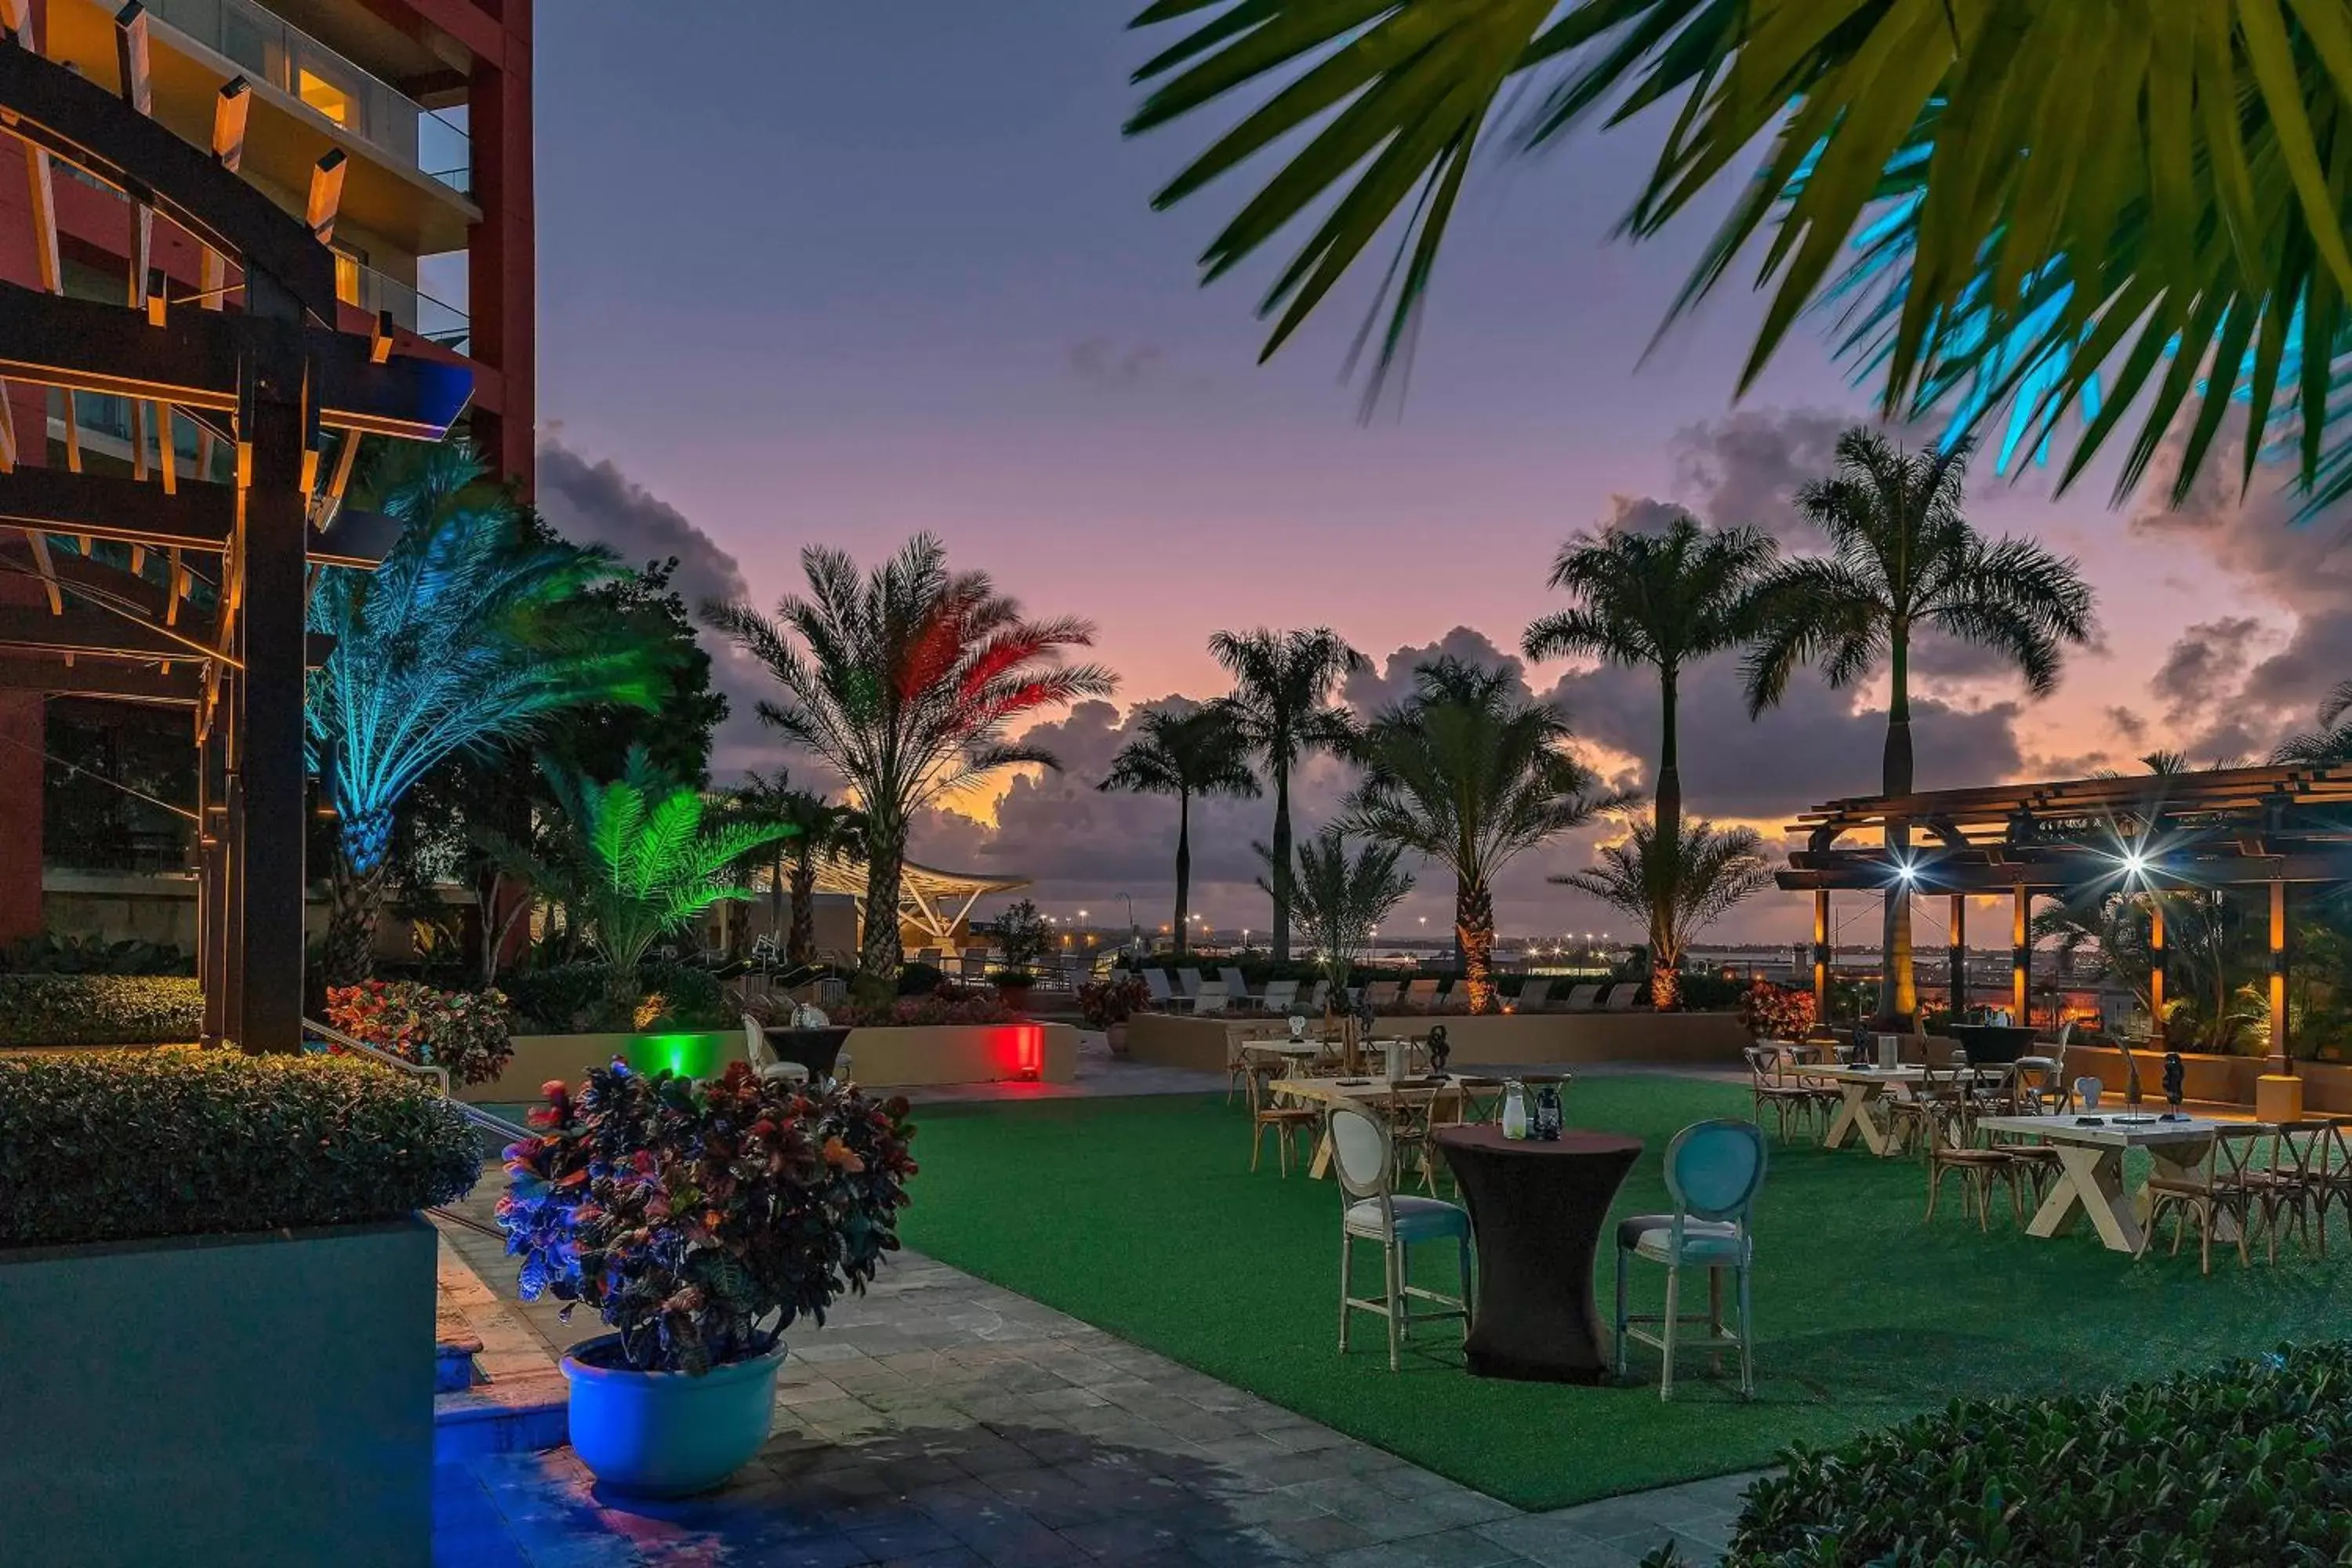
pixel 667 1433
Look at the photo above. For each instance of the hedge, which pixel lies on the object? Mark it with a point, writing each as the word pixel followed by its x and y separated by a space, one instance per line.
pixel 575 999
pixel 99 1009
pixel 2242 1464
pixel 108 1145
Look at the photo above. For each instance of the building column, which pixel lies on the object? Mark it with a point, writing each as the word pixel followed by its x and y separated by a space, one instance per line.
pixel 2156 963
pixel 2279 1053
pixel 501 276
pixel 1958 999
pixel 2021 955
pixel 1820 955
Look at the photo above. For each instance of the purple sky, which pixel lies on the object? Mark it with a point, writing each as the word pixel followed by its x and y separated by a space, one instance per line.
pixel 841 273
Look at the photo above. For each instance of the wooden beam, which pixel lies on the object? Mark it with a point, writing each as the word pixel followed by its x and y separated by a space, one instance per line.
pixel 102 506
pixel 84 632
pixel 181 685
pixel 230 109
pixel 326 197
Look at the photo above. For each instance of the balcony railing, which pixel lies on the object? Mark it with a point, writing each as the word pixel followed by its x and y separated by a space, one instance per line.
pixel 419 312
pixel 269 48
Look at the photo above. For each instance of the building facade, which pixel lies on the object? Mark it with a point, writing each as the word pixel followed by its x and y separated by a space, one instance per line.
pixel 422 111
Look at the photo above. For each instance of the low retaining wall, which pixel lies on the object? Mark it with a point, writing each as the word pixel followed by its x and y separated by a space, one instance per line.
pixel 264 1400
pixel 1505 1040
pixel 892 1057
pixel 2212 1079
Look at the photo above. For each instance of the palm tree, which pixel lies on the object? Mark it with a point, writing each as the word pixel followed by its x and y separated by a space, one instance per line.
pixel 907 681
pixel 636 859
pixel 2019 204
pixel 466 634
pixel 2331 743
pixel 815 829
pixel 1667 600
pixel 1471 775
pixel 1281 705
pixel 1903 559
pixel 1710 870
pixel 1184 754
pixel 1340 898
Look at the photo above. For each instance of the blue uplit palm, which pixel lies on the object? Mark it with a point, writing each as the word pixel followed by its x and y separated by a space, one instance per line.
pixel 466 634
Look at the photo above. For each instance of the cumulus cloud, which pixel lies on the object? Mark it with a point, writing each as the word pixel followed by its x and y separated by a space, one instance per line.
pixel 1746 468
pixel 2205 664
pixel 1390 680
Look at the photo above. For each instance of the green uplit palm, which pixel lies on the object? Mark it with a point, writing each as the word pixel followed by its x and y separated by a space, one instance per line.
pixel 1666 600
pixel 1904 558
pixel 636 858
pixel 1711 871
pixel 2331 743
pixel 1471 775
pixel 466 634
pixel 816 827
pixel 1339 898
pixel 1191 755
pixel 907 681
pixel 2046 197
pixel 1281 703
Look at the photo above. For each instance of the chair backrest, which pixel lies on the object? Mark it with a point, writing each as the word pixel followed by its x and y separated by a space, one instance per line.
pixel 1361 1156
pixel 1535 992
pixel 1280 993
pixel 1190 979
pixel 1766 1064
pixel 1581 999
pixel 1381 992
pixel 927 956
pixel 1211 998
pixel 1714 1169
pixel 1156 982
pixel 1421 990
pixel 1316 998
pixel 755 1043
pixel 1235 986
pixel 1621 997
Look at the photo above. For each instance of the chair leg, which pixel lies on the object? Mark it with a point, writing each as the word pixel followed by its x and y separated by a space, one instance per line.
pixel 1746 1351
pixel 1674 1311
pixel 1258 1145
pixel 1621 1311
pixel 1403 1301
pixel 1347 1277
pixel 1396 1304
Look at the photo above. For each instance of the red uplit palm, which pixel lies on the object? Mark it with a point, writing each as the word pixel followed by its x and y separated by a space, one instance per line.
pixel 907 681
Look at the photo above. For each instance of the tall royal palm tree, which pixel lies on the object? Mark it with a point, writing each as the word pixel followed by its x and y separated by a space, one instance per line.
pixel 1190 754
pixel 1470 773
pixel 907 681
pixel 1714 870
pixel 1281 704
pixel 2020 201
pixel 815 829
pixel 1903 559
pixel 466 634
pixel 1666 599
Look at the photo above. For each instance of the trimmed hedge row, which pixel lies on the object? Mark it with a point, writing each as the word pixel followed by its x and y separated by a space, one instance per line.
pixel 2245 1463
pixel 99 1009
pixel 108 1145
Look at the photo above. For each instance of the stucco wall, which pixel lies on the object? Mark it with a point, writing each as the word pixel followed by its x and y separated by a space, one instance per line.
pixel 893 1058
pixel 1168 1040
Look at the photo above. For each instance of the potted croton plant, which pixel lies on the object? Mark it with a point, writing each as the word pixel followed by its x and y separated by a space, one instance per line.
pixel 1108 1003
pixel 699 1219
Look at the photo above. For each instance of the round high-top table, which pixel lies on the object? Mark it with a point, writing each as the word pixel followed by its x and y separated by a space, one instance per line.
pixel 1536 1211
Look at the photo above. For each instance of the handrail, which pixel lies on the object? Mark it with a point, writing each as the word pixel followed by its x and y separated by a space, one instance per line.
pixel 439 1077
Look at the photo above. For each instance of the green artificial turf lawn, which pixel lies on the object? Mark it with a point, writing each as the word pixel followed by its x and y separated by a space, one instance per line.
pixel 1142 1218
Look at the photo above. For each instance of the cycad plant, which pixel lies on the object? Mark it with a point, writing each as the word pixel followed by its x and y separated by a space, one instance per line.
pixel 1470 773
pixel 907 681
pixel 1281 703
pixel 817 828
pixel 636 859
pixel 1903 560
pixel 1712 871
pixel 1667 599
pixel 1187 755
pixel 467 633
pixel 1340 898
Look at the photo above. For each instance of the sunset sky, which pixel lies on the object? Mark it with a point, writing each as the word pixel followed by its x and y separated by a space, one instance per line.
pixel 778 306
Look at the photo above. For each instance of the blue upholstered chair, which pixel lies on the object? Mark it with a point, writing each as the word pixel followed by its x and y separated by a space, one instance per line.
pixel 1714 1171
pixel 1363 1157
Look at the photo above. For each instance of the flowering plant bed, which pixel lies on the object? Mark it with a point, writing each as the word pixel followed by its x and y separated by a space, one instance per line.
pixel 700 1218
pixel 1773 1011
pixel 1103 1003
pixel 467 1033
pixel 949 1004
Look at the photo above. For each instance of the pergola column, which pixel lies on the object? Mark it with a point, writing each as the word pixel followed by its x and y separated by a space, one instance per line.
pixel 2155 963
pixel 1820 955
pixel 2021 955
pixel 2277 1065
pixel 1959 925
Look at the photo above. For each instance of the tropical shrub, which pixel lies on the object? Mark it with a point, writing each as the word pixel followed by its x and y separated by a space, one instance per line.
pixel 1103 1003
pixel 1021 939
pixel 1772 1011
pixel 701 1219
pixel 99 1009
pixel 2151 1473
pixel 579 998
pixel 464 1032
pixel 948 1005
pixel 106 1145
pixel 51 954
pixel 920 978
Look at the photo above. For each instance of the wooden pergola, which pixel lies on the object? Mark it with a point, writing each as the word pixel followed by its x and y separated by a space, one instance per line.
pixel 185 580
pixel 2225 827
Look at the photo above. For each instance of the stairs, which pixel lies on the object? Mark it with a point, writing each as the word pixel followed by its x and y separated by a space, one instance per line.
pixel 495 1388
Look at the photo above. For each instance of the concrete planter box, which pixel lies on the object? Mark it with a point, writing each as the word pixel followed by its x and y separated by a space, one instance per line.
pixel 912 1057
pixel 263 1399
pixel 1499 1039
pixel 2214 1079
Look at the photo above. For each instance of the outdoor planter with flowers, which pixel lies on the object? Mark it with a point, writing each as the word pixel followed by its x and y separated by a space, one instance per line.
pixel 1106 1005
pixel 467 1033
pixel 699 1219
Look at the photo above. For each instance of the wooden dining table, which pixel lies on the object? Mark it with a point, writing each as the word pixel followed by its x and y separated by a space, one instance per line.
pixel 1372 1094
pixel 1864 1094
pixel 2091 1169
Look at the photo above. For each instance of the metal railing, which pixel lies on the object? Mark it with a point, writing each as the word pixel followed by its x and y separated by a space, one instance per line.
pixel 439 1077
pixel 433 320
pixel 269 48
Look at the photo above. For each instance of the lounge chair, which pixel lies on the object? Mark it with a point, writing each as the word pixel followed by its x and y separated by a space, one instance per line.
pixel 1156 982
pixel 1211 999
pixel 972 963
pixel 1280 994
pixel 1626 998
pixel 1382 992
pixel 1318 997
pixel 1189 980
pixel 1237 991
pixel 929 955
pixel 1580 999
pixel 1535 994
pixel 1422 993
